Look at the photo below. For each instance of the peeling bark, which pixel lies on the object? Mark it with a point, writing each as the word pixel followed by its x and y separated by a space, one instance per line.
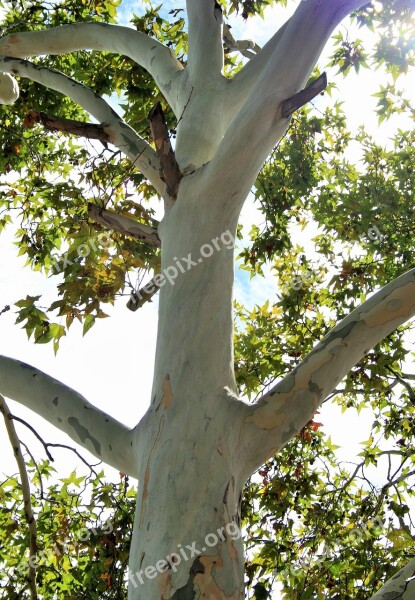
pixel 273 420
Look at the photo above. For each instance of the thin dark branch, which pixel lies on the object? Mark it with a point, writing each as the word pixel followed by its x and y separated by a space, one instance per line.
pixel 35 433
pixel 47 445
pixel 36 467
pixel 405 384
pixel 90 467
pixel 92 131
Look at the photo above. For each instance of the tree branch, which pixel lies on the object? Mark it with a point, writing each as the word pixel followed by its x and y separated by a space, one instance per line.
pixel 400 586
pixel 119 133
pixel 405 384
pixel 259 124
pixel 245 80
pixel 169 167
pixel 276 417
pixel 28 511
pixel 92 131
pixel 157 59
pixel 103 436
pixel 205 56
pixel 123 224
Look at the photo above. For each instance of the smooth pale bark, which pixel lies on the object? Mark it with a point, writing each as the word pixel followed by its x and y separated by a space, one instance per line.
pixel 276 417
pixel 258 125
pixel 198 442
pixel 399 587
pixel 157 59
pixel 205 56
pixel 9 89
pixel 102 435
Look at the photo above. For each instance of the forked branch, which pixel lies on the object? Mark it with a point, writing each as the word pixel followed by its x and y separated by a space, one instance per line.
pixel 119 133
pixel 247 48
pixel 259 125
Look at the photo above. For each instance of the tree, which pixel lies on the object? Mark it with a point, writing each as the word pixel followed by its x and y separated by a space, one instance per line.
pixel 200 441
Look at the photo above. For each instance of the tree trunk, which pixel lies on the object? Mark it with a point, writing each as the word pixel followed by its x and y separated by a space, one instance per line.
pixel 198 442
pixel 188 506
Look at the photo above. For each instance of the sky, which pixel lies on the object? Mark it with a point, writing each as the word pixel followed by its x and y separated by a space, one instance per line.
pixel 112 365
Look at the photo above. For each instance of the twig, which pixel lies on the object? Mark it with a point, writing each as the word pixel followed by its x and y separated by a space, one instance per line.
pixel 15 442
pixel 36 467
pixel 90 467
pixel 35 433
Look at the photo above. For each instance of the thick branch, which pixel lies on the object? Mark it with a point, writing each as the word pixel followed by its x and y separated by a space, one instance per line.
pixel 245 80
pixel 92 131
pixel 28 511
pixel 169 167
pixel 399 587
pixel 125 225
pixel 259 124
pixel 289 405
pixel 206 56
pixel 307 31
pixel 119 133
pixel 103 436
pixel 157 59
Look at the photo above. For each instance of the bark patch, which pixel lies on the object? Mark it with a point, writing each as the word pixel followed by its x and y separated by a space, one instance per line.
pixel 187 592
pixel 84 434
pixel 208 588
pixel 147 473
pixel 167 392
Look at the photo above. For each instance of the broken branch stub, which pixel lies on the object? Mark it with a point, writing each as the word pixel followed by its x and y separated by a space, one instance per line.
pixel 171 173
pixel 289 106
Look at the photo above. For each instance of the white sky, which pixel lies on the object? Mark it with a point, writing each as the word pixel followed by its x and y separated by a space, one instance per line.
pixel 112 365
